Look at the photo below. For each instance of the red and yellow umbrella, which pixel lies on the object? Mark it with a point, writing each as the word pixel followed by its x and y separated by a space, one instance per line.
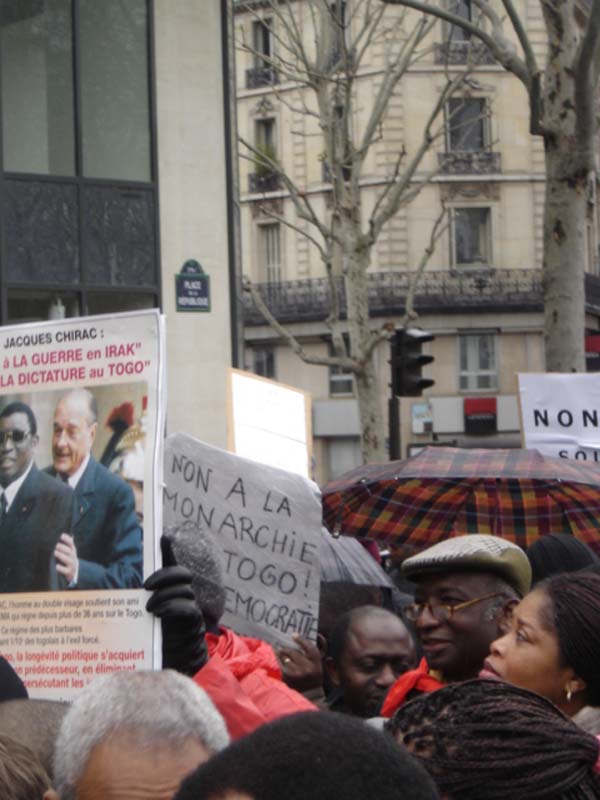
pixel 519 495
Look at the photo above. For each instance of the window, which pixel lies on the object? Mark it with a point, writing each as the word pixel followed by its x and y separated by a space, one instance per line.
pixel 467 124
pixel 471 237
pixel 478 368
pixel 262 72
pixel 36 55
pixel 460 8
pixel 262 42
pixel 264 362
pixel 337 21
pixel 270 252
pixel 78 211
pixel 114 89
pixel 264 136
pixel 341 380
pixel 265 176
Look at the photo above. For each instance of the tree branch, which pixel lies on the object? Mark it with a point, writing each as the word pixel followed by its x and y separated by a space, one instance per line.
pixel 584 83
pixel 507 57
pixel 290 339
pixel 437 231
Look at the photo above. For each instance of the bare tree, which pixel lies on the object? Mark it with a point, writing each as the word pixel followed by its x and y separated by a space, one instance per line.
pixel 563 110
pixel 321 47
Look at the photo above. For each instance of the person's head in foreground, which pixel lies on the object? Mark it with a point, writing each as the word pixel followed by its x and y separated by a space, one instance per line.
pixel 316 755
pixel 195 547
pixel 486 740
pixel 134 734
pixel 556 553
pixel 369 649
pixel 22 776
pixel 553 644
pixel 465 587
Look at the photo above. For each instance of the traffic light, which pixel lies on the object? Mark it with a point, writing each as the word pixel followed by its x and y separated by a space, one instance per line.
pixel 407 361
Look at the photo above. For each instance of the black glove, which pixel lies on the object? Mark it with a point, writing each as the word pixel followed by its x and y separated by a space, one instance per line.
pixel 183 644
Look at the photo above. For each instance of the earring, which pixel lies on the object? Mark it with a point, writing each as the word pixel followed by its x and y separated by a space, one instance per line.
pixel 569 695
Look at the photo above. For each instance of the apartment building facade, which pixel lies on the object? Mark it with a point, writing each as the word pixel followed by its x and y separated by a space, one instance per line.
pixel 115 169
pixel 481 292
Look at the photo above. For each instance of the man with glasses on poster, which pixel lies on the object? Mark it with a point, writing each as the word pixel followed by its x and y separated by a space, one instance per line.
pixel 34 508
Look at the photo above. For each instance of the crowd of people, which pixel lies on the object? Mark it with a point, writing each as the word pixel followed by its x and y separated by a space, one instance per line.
pixel 475 678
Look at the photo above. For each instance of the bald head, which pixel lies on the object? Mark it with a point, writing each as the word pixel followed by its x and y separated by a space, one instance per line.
pixel 74 430
pixel 369 649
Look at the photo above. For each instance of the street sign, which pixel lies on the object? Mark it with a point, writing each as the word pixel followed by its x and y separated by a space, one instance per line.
pixel 192 288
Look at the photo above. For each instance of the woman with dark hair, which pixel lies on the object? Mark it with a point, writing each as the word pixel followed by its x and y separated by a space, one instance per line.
pixel 485 740
pixel 552 646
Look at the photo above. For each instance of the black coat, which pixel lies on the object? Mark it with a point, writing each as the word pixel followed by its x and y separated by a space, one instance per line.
pixel 106 531
pixel 42 509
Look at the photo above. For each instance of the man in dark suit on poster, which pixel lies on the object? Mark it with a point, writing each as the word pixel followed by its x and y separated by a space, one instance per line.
pixel 105 548
pixel 34 509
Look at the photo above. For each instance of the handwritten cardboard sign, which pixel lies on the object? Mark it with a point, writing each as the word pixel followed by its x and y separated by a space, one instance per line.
pixel 267 523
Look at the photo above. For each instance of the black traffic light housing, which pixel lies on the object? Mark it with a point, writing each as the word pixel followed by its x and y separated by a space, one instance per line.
pixel 407 362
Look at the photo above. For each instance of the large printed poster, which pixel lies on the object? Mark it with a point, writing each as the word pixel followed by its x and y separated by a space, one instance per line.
pixel 81 419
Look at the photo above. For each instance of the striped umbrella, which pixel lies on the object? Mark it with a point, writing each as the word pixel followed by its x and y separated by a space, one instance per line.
pixel 445 491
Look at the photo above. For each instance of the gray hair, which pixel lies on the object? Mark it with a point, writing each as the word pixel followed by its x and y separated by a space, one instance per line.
pixel 497 604
pixel 196 549
pixel 162 708
pixel 34 723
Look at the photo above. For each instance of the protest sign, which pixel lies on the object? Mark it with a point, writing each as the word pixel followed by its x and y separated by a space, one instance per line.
pixel 267 525
pixel 81 418
pixel 561 414
pixel 269 422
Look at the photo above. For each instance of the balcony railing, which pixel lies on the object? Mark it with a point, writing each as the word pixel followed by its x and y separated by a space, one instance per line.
pixel 469 51
pixel 443 290
pixel 260 183
pixel 257 77
pixel 469 162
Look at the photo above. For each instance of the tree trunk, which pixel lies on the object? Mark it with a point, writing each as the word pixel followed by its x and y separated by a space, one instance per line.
pixel 367 393
pixel 565 257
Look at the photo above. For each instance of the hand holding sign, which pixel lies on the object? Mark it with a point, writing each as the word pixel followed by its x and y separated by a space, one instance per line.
pixel 173 601
pixel 302 668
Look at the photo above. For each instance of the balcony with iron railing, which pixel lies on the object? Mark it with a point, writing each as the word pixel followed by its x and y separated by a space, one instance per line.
pixel 264 181
pixel 447 291
pixel 469 162
pixel 439 290
pixel 469 51
pixel 259 77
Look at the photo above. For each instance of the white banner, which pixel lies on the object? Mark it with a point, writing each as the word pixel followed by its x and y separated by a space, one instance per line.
pixel 561 414
pixel 267 523
pixel 81 420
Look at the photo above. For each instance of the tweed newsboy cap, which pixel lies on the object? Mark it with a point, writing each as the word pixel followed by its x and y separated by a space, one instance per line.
pixel 473 553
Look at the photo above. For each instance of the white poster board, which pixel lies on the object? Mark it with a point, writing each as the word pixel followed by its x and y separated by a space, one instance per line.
pixel 270 422
pixel 60 634
pixel 560 414
pixel 267 524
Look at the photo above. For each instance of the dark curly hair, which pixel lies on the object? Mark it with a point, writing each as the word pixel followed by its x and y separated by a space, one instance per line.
pixel 488 740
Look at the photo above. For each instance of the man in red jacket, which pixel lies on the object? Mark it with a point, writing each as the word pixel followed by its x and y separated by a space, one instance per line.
pixel 242 675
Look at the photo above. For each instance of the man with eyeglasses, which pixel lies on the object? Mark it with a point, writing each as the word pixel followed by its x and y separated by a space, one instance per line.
pixel 34 508
pixel 466 587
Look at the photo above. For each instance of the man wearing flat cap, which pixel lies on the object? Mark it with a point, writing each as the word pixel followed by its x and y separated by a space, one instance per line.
pixel 465 589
